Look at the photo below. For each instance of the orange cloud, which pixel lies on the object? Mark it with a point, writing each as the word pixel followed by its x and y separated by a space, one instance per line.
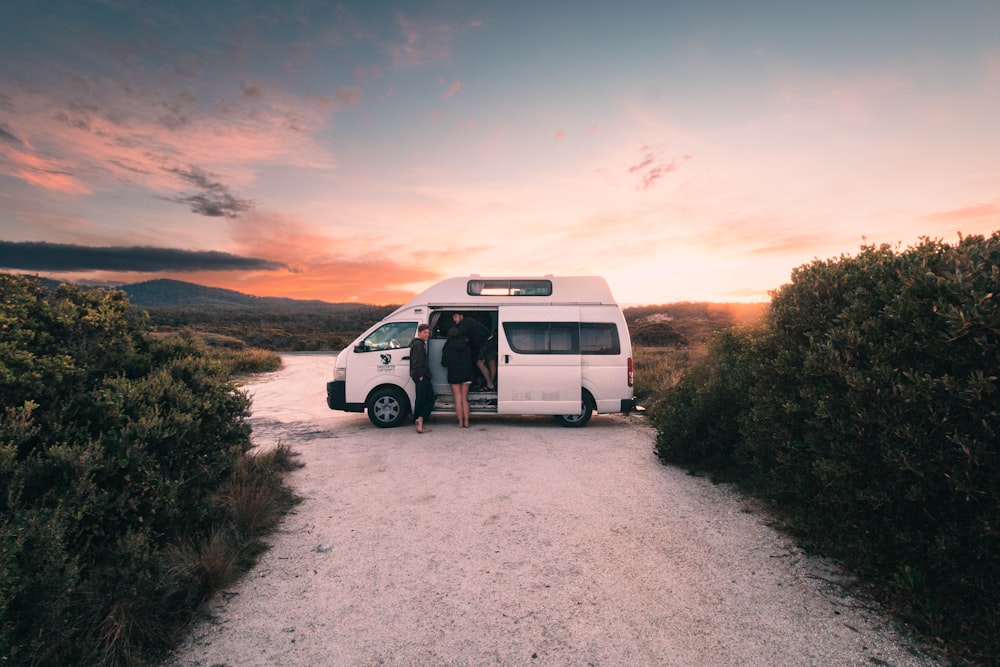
pixel 318 269
pixel 372 280
pixel 974 213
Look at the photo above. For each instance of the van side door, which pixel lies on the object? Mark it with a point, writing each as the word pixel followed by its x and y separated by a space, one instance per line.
pixel 538 364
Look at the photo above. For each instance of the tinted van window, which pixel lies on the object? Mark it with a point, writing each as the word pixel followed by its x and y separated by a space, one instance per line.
pixel 599 338
pixel 543 337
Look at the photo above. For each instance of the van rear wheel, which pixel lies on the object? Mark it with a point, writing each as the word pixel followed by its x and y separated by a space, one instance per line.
pixel 388 407
pixel 581 419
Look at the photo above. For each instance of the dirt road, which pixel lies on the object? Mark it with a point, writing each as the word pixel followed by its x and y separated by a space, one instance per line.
pixel 517 542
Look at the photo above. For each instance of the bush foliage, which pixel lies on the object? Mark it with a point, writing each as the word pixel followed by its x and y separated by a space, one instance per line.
pixel 867 406
pixel 114 446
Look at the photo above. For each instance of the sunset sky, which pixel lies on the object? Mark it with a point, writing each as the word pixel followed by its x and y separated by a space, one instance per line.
pixel 687 151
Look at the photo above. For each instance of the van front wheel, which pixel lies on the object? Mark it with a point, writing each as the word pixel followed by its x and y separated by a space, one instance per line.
pixel 581 419
pixel 388 407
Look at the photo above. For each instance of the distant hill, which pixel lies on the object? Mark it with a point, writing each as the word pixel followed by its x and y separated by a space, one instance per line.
pixel 165 293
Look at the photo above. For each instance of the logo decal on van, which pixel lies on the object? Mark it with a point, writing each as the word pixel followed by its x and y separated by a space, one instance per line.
pixel 387 365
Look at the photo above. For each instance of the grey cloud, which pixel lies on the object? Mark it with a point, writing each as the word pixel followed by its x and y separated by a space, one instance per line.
pixel 6 134
pixel 41 256
pixel 214 199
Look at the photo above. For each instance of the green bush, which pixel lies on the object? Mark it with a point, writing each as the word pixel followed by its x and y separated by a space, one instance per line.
pixel 698 418
pixel 114 446
pixel 869 409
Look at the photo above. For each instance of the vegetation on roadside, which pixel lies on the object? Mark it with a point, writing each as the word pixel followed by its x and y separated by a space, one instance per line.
pixel 667 339
pixel 128 489
pixel 866 407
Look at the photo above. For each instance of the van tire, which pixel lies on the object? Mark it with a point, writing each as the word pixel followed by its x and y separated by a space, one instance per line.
pixel 578 420
pixel 388 407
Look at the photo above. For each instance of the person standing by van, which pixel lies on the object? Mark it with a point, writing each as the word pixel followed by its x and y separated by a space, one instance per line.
pixel 420 372
pixel 476 333
pixel 456 356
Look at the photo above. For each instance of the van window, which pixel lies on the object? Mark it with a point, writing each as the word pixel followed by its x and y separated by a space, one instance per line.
pixel 388 337
pixel 563 338
pixel 543 337
pixel 510 288
pixel 599 338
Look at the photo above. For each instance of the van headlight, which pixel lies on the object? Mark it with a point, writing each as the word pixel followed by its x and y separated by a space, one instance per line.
pixel 340 374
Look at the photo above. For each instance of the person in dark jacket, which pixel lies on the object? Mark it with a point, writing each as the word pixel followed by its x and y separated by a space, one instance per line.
pixel 476 333
pixel 457 358
pixel 420 372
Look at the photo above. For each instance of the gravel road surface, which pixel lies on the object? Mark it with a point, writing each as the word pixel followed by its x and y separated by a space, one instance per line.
pixel 518 542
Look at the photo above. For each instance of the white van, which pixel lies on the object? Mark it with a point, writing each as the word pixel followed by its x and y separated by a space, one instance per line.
pixel 563 349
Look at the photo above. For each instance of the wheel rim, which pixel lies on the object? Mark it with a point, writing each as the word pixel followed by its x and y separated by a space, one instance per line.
pixel 386 409
pixel 577 417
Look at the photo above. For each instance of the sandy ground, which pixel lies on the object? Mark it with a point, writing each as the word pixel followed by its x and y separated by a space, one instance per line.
pixel 518 542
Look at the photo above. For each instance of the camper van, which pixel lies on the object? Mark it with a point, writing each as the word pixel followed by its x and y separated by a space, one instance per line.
pixel 563 349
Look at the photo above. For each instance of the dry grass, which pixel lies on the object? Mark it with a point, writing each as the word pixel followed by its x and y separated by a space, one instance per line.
pixel 248 360
pixel 218 563
pixel 254 498
pixel 657 369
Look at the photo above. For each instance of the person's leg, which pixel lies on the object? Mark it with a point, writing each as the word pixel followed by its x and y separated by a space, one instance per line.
pixel 481 365
pixel 424 403
pixel 465 405
pixel 456 391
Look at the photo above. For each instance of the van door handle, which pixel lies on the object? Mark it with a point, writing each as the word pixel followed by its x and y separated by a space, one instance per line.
pixel 406 358
pixel 506 358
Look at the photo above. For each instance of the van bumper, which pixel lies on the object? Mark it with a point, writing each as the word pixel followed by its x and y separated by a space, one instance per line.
pixel 336 397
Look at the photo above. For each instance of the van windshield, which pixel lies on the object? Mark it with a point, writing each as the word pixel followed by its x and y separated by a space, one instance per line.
pixel 388 337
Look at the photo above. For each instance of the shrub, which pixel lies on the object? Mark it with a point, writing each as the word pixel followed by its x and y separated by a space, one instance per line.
pixel 868 408
pixel 114 448
pixel 697 420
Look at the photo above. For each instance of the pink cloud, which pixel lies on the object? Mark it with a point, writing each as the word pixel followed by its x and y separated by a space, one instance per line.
pixel 48 174
pixel 974 213
pixel 559 135
pixel 652 168
pixel 362 74
pixel 423 41
pixel 98 134
pixel 348 96
pixel 426 40
pixel 452 89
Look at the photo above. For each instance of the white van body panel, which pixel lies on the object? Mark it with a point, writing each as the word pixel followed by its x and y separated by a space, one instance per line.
pixel 556 349
pixel 602 373
pixel 532 384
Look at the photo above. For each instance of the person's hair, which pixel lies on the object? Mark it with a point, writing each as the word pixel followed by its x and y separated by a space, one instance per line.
pixel 423 327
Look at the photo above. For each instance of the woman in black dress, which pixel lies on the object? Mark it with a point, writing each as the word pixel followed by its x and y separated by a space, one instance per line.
pixel 457 357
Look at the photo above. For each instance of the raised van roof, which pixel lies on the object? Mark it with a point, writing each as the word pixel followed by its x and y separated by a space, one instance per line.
pixel 494 290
